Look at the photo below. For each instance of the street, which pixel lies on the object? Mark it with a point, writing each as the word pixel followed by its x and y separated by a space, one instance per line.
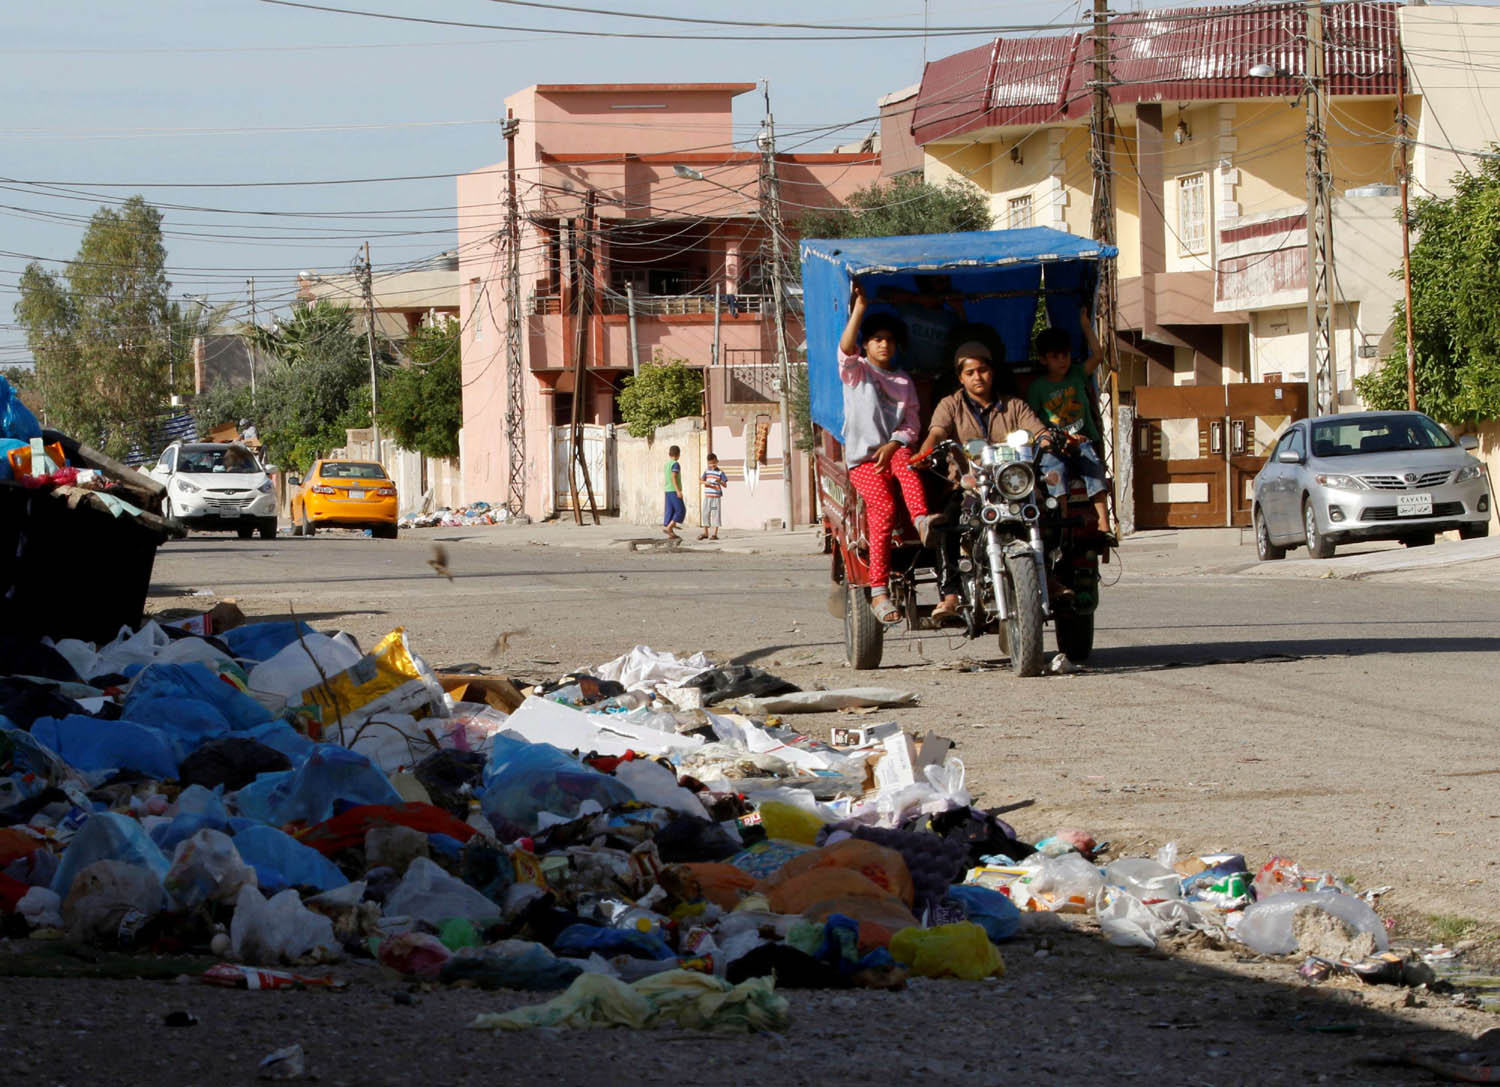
pixel 1228 706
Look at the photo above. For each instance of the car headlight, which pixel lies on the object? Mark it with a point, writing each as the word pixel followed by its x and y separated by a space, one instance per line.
pixel 265 487
pixel 1472 471
pixel 1017 480
pixel 1340 482
pixel 185 487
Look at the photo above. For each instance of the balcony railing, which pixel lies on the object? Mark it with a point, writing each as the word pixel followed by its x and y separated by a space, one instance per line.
pixel 663 305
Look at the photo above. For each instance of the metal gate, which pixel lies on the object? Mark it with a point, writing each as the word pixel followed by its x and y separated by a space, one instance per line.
pixel 599 455
pixel 1198 448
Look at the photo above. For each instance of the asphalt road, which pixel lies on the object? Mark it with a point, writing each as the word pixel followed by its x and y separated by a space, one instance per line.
pixel 1345 723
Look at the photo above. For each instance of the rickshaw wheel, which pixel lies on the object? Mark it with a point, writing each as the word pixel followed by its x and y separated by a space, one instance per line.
pixel 864 636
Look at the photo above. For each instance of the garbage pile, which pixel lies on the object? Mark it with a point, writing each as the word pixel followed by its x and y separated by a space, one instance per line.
pixel 475 513
pixel 647 836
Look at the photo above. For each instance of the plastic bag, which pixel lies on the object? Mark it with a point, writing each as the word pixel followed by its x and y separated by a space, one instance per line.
pixel 1266 927
pixel 427 893
pixel 1147 880
pixel 16 420
pixel 207 868
pixel 41 907
pixel 961 950
pixel 108 835
pixel 187 722
pixel 510 964
pixel 331 773
pixel 194 679
pixel 1065 884
pixel 791 823
pixel 256 642
pixel 280 860
pixel 992 911
pixel 652 783
pixel 523 780
pixel 1127 921
pixel 91 744
pixel 390 679
pixel 415 954
pixel 803 892
pixel 545 722
pixel 881 866
pixel 295 666
pixel 279 930
pixel 693 1001
pixel 109 901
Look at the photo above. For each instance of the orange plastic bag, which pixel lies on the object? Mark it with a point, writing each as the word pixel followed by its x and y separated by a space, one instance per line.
pixel 878 918
pixel 807 889
pixel 722 884
pixel 881 866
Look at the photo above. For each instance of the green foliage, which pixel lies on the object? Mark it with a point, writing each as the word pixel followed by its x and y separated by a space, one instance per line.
pixel 903 205
pixel 801 405
pixel 422 403
pixel 317 387
pixel 99 332
pixel 1455 307
pixel 664 391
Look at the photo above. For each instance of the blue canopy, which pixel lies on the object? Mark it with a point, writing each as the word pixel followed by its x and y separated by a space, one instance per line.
pixel 997 277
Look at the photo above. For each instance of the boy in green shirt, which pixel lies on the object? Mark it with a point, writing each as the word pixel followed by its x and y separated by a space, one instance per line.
pixel 676 512
pixel 1061 397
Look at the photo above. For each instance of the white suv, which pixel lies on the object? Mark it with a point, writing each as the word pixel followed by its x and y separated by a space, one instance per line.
pixel 215 486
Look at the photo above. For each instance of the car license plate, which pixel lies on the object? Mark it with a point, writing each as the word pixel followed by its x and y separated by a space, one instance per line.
pixel 1414 505
pixel 229 511
pixel 356 494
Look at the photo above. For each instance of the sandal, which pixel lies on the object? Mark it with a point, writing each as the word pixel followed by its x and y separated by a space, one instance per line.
pixel 946 611
pixel 885 609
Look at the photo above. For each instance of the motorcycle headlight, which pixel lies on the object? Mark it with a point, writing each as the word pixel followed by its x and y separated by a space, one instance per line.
pixel 1017 480
pixel 1340 482
pixel 1472 471
pixel 185 487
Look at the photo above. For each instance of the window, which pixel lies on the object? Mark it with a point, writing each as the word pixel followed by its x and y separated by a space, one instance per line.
pixel 1019 213
pixel 476 308
pixel 1192 213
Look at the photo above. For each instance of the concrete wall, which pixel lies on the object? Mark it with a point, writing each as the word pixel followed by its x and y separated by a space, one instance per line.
pixel 444 478
pixel 1488 434
pixel 1456 82
pixel 641 467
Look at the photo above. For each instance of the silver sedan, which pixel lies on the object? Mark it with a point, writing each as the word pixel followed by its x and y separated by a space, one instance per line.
pixel 1388 475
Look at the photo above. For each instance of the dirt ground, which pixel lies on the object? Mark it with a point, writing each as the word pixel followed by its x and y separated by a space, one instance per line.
pixel 1336 722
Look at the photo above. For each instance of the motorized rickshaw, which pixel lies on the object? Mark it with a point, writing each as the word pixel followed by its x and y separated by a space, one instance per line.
pixel 948 288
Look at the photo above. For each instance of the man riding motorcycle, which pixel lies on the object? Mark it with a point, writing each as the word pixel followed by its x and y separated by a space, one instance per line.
pixel 973 411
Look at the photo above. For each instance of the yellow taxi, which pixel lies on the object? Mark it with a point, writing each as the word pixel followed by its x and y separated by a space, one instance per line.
pixel 345 494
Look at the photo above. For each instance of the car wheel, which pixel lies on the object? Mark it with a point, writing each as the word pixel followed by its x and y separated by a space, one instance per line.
pixel 244 532
pixel 1473 532
pixel 1318 545
pixel 268 528
pixel 308 528
pixel 1421 539
pixel 1265 550
pixel 384 532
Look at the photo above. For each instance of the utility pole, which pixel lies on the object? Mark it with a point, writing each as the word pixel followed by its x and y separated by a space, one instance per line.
pixel 515 391
pixel 254 324
pixel 366 281
pixel 1322 374
pixel 771 212
pixel 1103 224
pixel 586 293
pixel 1403 175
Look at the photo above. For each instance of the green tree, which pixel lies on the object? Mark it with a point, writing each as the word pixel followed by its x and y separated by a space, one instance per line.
pixel 98 332
pixel 317 387
pixel 422 403
pixel 1455 307
pixel 664 390
pixel 903 205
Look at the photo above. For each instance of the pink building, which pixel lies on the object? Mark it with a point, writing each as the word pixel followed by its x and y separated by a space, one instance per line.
pixel 665 243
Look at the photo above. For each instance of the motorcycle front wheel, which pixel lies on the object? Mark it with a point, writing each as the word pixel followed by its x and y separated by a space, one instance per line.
pixel 1023 626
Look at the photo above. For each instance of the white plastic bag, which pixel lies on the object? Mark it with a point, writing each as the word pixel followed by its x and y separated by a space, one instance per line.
pixel 1065 884
pixel 280 930
pixel 1266 927
pixel 427 893
pixel 139 647
pixel 41 907
pixel 291 671
pixel 652 783
pixel 1129 922
pixel 108 900
pixel 1145 879
pixel 207 868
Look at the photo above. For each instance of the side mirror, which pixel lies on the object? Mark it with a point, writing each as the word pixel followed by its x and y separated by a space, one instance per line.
pixel 271 469
pixel 1469 442
pixel 294 480
pixel 1289 456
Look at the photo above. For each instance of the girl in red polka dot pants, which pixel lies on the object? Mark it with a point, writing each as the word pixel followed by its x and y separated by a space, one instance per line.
pixel 880 422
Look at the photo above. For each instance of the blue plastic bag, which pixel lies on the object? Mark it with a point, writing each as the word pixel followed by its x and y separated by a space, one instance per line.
pixel 193 679
pixel 286 861
pixel 523 779
pixel 198 808
pixel 188 722
pixel 280 736
pixel 990 910
pixel 581 941
pixel 331 773
pixel 16 420
pixel 91 744
pixel 256 642
pixel 108 836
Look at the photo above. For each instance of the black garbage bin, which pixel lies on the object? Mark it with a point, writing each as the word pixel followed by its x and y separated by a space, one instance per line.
pixel 72 571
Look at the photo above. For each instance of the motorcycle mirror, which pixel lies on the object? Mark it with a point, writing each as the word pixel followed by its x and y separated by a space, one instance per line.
pixel 975 446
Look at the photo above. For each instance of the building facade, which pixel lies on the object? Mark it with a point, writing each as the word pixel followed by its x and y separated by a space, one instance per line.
pixel 673 264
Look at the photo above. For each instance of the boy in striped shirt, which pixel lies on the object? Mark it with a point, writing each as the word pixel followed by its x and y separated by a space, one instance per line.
pixel 713 478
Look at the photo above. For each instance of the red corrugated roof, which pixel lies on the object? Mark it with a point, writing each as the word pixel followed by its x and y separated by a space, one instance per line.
pixel 1182 54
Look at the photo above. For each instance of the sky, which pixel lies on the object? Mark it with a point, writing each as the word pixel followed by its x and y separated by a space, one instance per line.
pixel 218 112
pixel 215 104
